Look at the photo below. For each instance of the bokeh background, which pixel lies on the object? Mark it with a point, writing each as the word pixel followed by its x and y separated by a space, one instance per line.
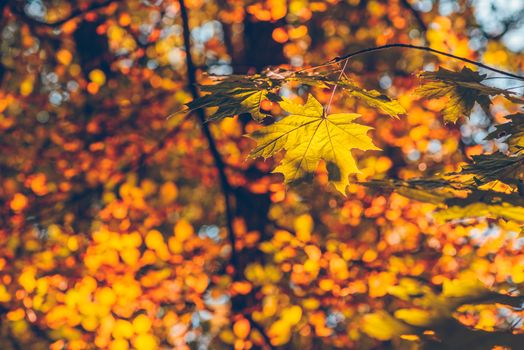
pixel 115 231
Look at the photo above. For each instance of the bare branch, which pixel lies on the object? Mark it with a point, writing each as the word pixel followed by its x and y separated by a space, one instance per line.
pixel 422 48
pixel 75 13
pixel 219 163
pixel 415 14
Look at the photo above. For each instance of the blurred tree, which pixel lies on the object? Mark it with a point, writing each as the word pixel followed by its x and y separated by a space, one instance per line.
pixel 124 229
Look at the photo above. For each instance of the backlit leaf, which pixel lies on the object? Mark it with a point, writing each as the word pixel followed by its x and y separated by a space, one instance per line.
pixel 415 317
pixel 495 167
pixel 463 90
pixel 309 136
pixel 503 210
pixel 382 326
pixel 514 129
pixel 235 95
pixel 373 98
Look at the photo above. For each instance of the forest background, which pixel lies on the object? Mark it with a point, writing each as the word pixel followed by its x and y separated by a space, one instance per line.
pixel 133 217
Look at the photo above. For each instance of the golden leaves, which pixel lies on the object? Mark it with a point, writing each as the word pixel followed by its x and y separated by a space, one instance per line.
pixel 260 274
pixel 280 331
pixel 502 210
pixel 234 95
pixel 382 326
pixel 374 99
pixel 308 136
pixel 463 89
pixel 117 309
pixel 241 328
pixel 136 276
pixel 413 316
pixel 19 202
pixel 466 285
pixel 514 129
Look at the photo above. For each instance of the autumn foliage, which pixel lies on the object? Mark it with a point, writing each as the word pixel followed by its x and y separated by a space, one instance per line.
pixel 261 175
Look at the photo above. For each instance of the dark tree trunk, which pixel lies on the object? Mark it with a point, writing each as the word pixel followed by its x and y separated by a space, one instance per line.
pixel 260 50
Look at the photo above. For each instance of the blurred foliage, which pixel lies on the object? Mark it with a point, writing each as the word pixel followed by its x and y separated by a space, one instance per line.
pixel 121 228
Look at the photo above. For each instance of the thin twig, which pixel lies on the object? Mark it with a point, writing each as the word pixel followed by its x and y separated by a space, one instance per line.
pixel 260 329
pixel 490 78
pixel 422 48
pixel 219 163
pixel 75 13
pixel 409 46
pixel 328 107
pixel 415 14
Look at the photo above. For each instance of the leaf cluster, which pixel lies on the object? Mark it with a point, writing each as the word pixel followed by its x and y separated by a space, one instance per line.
pixel 463 89
pixel 309 136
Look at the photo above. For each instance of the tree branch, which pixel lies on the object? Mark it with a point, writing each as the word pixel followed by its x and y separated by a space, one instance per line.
pixel 260 329
pixel 219 163
pixel 508 24
pixel 415 14
pixel 75 13
pixel 422 48
pixel 455 335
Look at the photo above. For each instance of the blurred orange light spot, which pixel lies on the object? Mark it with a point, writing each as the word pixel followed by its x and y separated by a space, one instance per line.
pixel 16 315
pixel 64 56
pixel 241 328
pixel 19 202
pixel 119 210
pixel 97 76
pixel 369 255
pixel 124 20
pixel 142 324
pixel 93 88
pixel 280 35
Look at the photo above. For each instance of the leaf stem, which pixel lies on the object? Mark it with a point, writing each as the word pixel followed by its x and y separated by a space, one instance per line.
pixel 328 107
pixel 422 48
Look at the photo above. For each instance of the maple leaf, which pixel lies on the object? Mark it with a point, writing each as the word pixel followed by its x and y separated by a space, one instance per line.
pixel 382 326
pixel 434 191
pixel 372 98
pixel 514 129
pixel 484 203
pixel 463 89
pixel 236 95
pixel 503 210
pixel 495 167
pixel 309 136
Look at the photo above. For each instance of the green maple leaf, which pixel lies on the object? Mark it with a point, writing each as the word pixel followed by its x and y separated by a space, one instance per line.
pixel 463 89
pixel 308 136
pixel 236 95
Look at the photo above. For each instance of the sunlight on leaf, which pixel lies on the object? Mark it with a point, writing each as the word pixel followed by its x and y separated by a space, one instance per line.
pixel 235 95
pixel 382 326
pixel 415 317
pixel 308 136
pixel 373 99
pixel 463 89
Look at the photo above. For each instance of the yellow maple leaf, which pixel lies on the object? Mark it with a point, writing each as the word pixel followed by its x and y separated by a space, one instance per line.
pixel 308 136
pixel 413 316
pixel 382 326
pixel 502 210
